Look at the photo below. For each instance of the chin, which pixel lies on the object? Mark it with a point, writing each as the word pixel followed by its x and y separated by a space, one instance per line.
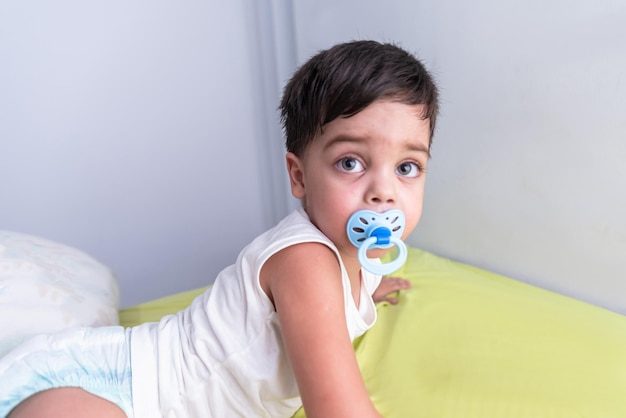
pixel 378 252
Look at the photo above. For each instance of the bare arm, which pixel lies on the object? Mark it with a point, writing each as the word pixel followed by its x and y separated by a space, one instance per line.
pixel 304 282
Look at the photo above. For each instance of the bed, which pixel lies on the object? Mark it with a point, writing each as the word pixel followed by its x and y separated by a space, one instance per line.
pixel 468 343
pixel 462 342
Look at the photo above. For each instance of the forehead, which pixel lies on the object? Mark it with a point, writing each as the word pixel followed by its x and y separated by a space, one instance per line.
pixel 382 122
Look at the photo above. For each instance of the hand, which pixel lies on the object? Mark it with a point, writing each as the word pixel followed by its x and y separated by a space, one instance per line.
pixel 388 289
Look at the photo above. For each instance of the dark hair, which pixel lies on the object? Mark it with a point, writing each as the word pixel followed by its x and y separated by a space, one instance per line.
pixel 345 79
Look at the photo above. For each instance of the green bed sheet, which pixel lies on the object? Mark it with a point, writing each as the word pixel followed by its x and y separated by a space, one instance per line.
pixel 467 343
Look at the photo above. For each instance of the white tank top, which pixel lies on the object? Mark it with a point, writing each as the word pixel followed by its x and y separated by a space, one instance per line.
pixel 223 356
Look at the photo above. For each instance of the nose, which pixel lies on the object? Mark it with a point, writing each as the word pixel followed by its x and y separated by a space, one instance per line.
pixel 381 191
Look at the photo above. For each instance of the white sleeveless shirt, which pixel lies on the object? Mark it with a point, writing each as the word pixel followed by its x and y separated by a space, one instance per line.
pixel 223 356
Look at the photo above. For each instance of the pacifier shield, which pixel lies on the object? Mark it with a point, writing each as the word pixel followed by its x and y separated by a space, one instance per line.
pixel 364 224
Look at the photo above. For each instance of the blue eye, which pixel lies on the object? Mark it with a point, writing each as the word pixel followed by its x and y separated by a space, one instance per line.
pixel 409 169
pixel 350 164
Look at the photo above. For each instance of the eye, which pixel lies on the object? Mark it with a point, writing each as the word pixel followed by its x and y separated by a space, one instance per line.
pixel 409 169
pixel 350 164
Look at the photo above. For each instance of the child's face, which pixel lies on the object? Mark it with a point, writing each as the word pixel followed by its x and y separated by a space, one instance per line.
pixel 373 160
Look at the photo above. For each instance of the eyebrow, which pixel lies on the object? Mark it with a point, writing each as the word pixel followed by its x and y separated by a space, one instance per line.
pixel 357 139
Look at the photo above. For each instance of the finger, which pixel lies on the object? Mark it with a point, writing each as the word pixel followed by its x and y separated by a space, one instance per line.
pixel 393 301
pixel 394 285
pixel 398 282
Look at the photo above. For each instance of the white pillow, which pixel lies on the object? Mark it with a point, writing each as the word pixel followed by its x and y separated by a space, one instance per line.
pixel 48 287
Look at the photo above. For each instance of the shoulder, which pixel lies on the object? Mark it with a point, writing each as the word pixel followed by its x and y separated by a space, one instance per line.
pixel 303 267
pixel 293 247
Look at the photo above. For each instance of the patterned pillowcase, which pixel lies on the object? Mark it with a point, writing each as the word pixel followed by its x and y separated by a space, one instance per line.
pixel 47 287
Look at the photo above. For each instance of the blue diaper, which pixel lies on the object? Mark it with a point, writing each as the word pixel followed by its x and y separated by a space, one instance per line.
pixel 94 359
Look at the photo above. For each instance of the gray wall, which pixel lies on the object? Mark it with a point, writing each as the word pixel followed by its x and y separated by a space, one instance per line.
pixel 145 133
pixel 134 131
pixel 527 176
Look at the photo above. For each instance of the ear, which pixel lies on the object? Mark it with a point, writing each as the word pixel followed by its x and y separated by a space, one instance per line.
pixel 295 169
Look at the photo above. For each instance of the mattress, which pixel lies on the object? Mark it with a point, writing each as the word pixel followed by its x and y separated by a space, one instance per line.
pixel 468 343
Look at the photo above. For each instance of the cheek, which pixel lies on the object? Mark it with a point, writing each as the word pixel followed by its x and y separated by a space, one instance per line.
pixel 413 217
pixel 409 227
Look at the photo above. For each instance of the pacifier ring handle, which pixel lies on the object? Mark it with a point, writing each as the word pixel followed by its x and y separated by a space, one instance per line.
pixel 386 268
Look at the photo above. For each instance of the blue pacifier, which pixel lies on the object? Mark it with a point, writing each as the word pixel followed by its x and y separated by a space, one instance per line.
pixel 368 230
